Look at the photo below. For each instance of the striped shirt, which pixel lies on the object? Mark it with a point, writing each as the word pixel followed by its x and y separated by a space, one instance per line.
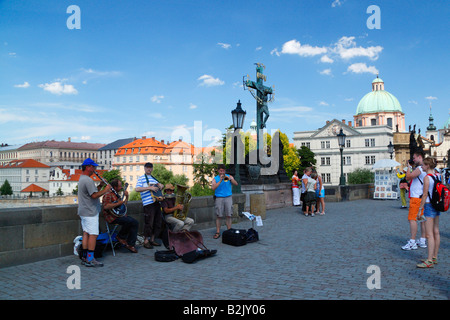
pixel 146 196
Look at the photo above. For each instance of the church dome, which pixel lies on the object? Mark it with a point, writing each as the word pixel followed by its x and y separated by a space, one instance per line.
pixel 378 100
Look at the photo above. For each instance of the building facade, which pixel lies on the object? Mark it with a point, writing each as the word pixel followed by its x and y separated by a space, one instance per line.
pixel 378 116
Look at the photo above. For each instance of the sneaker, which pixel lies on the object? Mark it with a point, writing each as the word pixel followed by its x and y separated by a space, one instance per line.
pixel 312 214
pixel 411 245
pixel 422 243
pixel 93 263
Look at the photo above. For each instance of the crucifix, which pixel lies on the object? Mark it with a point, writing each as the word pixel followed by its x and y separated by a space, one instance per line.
pixel 263 96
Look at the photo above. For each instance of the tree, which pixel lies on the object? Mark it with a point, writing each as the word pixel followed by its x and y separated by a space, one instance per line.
pixel 111 175
pixel 360 176
pixel 165 176
pixel 59 192
pixel 6 188
pixel 306 158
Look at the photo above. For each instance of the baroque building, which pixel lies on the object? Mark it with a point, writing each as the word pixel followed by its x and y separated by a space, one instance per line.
pixel 378 116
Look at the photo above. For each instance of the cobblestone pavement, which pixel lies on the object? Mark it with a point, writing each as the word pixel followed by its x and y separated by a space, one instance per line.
pixel 322 258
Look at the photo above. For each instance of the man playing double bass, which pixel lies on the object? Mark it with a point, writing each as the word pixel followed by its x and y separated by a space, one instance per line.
pixel 128 233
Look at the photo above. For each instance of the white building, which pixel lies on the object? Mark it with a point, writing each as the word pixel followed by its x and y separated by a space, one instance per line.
pixel 67 180
pixel 25 176
pixel 378 115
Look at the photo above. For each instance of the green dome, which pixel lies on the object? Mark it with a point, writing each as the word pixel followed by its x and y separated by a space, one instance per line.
pixel 378 100
pixel 447 124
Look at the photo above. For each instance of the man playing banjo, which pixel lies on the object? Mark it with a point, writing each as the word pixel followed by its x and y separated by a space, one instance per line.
pixel 128 233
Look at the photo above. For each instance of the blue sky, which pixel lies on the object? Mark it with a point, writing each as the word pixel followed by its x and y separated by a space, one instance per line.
pixel 175 68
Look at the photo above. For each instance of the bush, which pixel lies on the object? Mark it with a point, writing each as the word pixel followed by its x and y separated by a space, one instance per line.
pixel 360 176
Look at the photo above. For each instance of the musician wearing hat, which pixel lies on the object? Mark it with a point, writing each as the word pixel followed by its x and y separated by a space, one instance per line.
pixel 169 207
pixel 88 209
pixel 128 233
pixel 147 185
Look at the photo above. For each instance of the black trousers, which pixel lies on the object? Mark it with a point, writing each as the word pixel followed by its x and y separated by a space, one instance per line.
pixel 152 220
pixel 128 230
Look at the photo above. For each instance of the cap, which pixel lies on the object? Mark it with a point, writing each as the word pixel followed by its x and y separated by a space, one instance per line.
pixel 169 186
pixel 148 165
pixel 89 162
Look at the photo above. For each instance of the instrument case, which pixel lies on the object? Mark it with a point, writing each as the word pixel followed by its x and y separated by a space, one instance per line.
pixel 234 237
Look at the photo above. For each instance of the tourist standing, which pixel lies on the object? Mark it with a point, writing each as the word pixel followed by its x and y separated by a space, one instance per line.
pixel 306 173
pixel 430 213
pixel 295 189
pixel 415 194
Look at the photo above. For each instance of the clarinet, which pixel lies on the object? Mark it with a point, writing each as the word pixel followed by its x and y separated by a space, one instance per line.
pixel 106 182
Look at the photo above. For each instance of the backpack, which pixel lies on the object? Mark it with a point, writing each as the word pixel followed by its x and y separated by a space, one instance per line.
pixel 440 196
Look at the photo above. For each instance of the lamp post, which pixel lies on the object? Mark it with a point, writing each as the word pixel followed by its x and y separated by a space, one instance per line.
pixel 341 141
pixel 238 116
pixel 390 148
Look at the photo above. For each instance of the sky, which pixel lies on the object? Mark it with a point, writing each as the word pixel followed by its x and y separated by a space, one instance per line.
pixel 98 71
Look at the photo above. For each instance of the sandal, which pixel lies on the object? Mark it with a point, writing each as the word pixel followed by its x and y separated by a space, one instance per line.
pixel 434 260
pixel 217 235
pixel 426 264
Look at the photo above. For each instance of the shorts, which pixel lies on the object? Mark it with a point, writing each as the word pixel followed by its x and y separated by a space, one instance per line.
pixel 90 225
pixel 320 193
pixel 223 206
pixel 430 211
pixel 414 204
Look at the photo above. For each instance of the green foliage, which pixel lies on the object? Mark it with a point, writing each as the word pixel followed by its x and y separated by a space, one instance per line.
pixel 165 176
pixel 112 174
pixel 306 159
pixel 59 192
pixel 204 169
pixel 134 196
pixel 6 188
pixel 197 191
pixel 360 176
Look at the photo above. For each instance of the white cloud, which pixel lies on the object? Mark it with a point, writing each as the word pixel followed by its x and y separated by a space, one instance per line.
pixel 275 52
pixel 337 3
pixel 326 72
pixel 413 102
pixel 24 85
pixel 157 99
pixel 210 81
pixel 224 45
pixel 59 88
pixel 292 109
pixel 362 68
pixel 258 48
pixel 431 98
pixel 326 59
pixel 192 106
pixel 346 49
pixel 323 103
pixel 295 47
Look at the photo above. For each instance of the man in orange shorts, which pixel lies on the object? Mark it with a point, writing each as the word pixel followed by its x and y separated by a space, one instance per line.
pixel 415 197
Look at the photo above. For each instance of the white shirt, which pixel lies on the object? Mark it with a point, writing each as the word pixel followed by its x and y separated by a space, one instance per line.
pixel 416 186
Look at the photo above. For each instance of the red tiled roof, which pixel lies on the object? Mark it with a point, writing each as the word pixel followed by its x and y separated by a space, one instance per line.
pixel 24 163
pixel 142 146
pixel 33 188
pixel 76 176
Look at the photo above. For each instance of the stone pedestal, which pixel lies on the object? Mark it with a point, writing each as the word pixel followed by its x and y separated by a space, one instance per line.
pixel 276 195
pixel 258 204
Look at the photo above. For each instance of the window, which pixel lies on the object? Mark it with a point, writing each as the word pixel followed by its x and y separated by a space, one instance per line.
pixel 372 142
pixel 347 160
pixel 325 161
pixel 370 159
pixel 348 143
pixel 389 122
pixel 306 144
pixel 326 177
pixel 325 144
pixel 373 122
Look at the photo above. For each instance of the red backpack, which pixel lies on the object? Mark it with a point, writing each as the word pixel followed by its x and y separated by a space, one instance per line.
pixel 440 196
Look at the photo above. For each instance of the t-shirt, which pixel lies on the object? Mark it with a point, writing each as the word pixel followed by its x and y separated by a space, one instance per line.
pixel 310 185
pixel 295 180
pixel 224 189
pixel 416 186
pixel 87 206
pixel 305 176
pixel 168 203
pixel 146 196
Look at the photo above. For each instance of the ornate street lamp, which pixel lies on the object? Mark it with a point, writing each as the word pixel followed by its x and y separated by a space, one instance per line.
pixel 238 116
pixel 390 148
pixel 341 141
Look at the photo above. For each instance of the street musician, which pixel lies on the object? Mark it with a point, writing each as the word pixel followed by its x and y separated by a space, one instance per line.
pixel 169 207
pixel 129 226
pixel 147 185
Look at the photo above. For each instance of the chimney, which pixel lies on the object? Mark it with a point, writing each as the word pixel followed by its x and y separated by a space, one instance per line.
pixel 153 138
pixel 343 121
pixel 180 140
pixel 162 141
pixel 144 137
pixel 328 122
pixel 68 139
pixel 349 123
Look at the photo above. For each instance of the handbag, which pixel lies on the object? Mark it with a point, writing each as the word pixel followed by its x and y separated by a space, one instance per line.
pixel 166 256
